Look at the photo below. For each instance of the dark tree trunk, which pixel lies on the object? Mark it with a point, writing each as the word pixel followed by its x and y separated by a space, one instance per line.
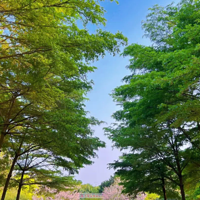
pixel 164 190
pixel 17 154
pixel 20 185
pixel 8 177
pixel 1 140
pixel 182 187
pixel 6 122
pixel 180 176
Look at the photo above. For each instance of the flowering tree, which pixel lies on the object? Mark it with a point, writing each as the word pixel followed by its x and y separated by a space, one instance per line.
pixel 114 192
pixel 141 196
pixel 68 195
pixel 62 195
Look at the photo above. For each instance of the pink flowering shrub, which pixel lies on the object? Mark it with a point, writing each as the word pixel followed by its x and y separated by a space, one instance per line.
pixel 114 192
pixel 63 195
pixel 67 195
pixel 141 196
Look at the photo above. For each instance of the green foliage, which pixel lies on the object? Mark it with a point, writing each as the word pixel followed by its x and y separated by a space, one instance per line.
pixel 152 196
pixel 144 175
pixel 107 183
pixel 87 188
pixel 45 58
pixel 26 194
pixel 4 167
pixel 159 119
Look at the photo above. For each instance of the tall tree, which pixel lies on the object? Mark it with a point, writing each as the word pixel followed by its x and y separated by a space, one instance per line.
pixel 69 129
pixel 160 99
pixel 45 56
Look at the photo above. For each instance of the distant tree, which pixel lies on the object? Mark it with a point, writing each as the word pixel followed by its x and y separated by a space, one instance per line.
pixel 152 196
pixel 107 183
pixel 87 188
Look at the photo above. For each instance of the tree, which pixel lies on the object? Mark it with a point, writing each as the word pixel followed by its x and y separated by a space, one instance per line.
pixel 160 99
pixel 67 195
pixel 141 129
pixel 44 61
pixel 45 56
pixel 192 181
pixel 114 192
pixel 35 154
pixel 107 183
pixel 139 174
pixel 87 188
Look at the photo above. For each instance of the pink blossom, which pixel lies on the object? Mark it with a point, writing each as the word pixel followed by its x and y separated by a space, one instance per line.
pixel 114 192
pixel 63 195
pixel 141 196
pixel 68 195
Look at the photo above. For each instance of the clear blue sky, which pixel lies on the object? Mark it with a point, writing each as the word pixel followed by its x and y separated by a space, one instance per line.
pixel 126 18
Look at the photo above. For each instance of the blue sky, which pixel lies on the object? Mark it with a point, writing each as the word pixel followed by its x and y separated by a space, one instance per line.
pixel 126 18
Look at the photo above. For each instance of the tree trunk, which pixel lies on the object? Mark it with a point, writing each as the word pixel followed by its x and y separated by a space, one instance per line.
pixel 182 187
pixel 164 190
pixel 6 122
pixel 1 140
pixel 20 185
pixel 8 177
pixel 180 176
pixel 3 134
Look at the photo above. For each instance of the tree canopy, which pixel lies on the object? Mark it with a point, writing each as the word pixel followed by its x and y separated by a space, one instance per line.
pixel 159 119
pixel 45 58
pixel 105 184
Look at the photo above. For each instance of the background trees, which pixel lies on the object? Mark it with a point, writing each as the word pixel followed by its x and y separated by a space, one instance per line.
pixel 87 188
pixel 107 183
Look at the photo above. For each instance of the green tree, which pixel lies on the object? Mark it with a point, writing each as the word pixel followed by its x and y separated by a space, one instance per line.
pixel 139 174
pixel 45 56
pixel 141 129
pixel 33 153
pixel 160 99
pixel 192 182
pixel 107 183
pixel 87 188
